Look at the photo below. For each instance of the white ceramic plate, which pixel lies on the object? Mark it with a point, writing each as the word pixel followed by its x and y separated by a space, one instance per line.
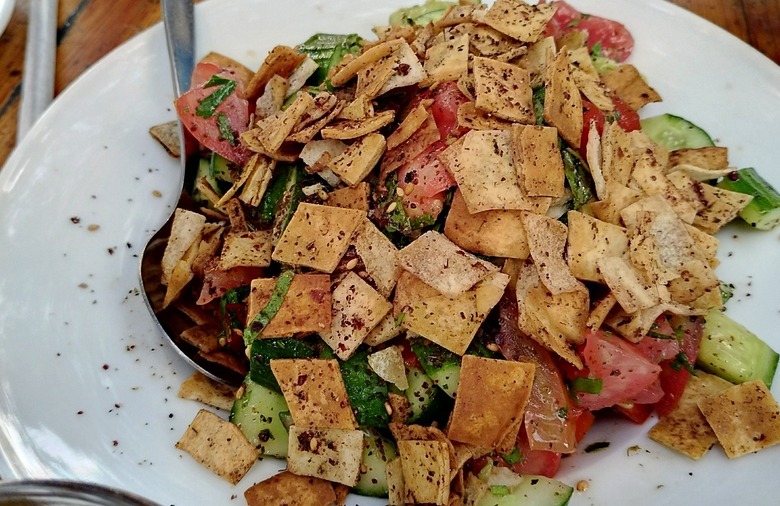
pixel 6 9
pixel 87 387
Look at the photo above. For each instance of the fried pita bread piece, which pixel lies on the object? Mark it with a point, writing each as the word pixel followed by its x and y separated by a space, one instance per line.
pixel 201 388
pixel 443 265
pixel 685 429
pixel 306 306
pixel 329 454
pixel 167 134
pixel 745 418
pixel 291 490
pixel 219 445
pixel 519 20
pixel 504 90
pixel 315 392
pixel 491 400
pixel 562 101
pixel 317 236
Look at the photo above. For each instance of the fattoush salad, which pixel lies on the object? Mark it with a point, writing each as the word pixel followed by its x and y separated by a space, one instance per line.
pixel 432 259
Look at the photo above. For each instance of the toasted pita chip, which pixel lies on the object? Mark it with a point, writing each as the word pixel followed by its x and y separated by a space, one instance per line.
pixel 590 239
pixel 629 85
pixel 720 207
pixel 447 61
pixel 426 471
pixel 289 488
pixel 272 131
pixel 710 158
pixel 547 243
pixel 599 311
pixel 200 388
pixel 492 395
pixel 329 454
pixel 272 99
pixel 476 119
pixel 218 445
pixel 351 197
pixel 395 483
pixel 538 160
pixel 281 61
pixel 366 59
pixel 504 90
pixel 626 284
pixel 409 125
pixel 587 78
pixel 449 322
pixel 408 150
pixel 317 236
pixel 357 309
pixel 186 229
pixel 744 417
pixel 481 163
pixel 357 161
pixel 315 393
pixel 167 134
pixel 379 256
pixel 204 337
pixel 648 174
pixel 181 275
pixel 617 156
pixel 488 41
pixel 536 59
pixel 360 107
pixel 495 233
pixel 384 331
pixel 352 129
pixel 555 320
pixel 306 306
pixel 443 265
pixel 562 102
pixel 685 429
pixel 519 20
pixel 408 69
pixel 389 365
pixel 246 249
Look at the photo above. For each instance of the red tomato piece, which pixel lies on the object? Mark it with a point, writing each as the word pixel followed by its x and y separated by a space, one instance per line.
pixel 538 462
pixel 547 415
pixel 216 281
pixel 626 117
pixel 446 100
pixel 207 130
pixel 637 413
pixel 429 179
pixel 612 37
pixel 624 372
pixel 673 379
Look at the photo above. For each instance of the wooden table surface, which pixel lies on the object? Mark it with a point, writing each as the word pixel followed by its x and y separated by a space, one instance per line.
pixel 88 29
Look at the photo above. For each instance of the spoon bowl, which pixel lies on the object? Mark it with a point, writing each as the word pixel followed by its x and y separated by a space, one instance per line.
pixel 178 18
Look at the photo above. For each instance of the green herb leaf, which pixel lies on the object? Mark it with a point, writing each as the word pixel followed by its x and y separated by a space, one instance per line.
pixel 500 490
pixel 208 106
pixel 513 457
pixel 225 128
pixel 587 385
pixel 596 49
pixel 563 413
pixel 681 361
pixel 266 314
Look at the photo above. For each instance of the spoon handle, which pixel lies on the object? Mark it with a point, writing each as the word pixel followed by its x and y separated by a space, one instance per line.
pixel 179 20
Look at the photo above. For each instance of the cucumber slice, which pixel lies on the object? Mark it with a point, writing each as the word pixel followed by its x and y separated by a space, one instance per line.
pixel 425 398
pixel 377 452
pixel 763 212
pixel 732 352
pixel 259 413
pixel 674 132
pixel 440 364
pixel 536 490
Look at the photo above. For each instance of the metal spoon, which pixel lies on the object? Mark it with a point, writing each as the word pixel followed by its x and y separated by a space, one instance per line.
pixel 178 18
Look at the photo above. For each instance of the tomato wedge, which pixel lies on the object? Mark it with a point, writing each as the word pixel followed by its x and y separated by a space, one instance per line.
pixel 547 416
pixel 220 131
pixel 674 375
pixel 612 38
pixel 625 374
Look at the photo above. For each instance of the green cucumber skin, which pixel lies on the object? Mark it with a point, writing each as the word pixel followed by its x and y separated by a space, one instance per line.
pixel 674 132
pixel 536 490
pixel 377 452
pixel 440 364
pixel 731 351
pixel 424 396
pixel 258 414
pixel 763 212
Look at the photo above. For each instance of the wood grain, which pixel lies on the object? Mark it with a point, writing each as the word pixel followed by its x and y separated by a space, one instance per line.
pixel 89 29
